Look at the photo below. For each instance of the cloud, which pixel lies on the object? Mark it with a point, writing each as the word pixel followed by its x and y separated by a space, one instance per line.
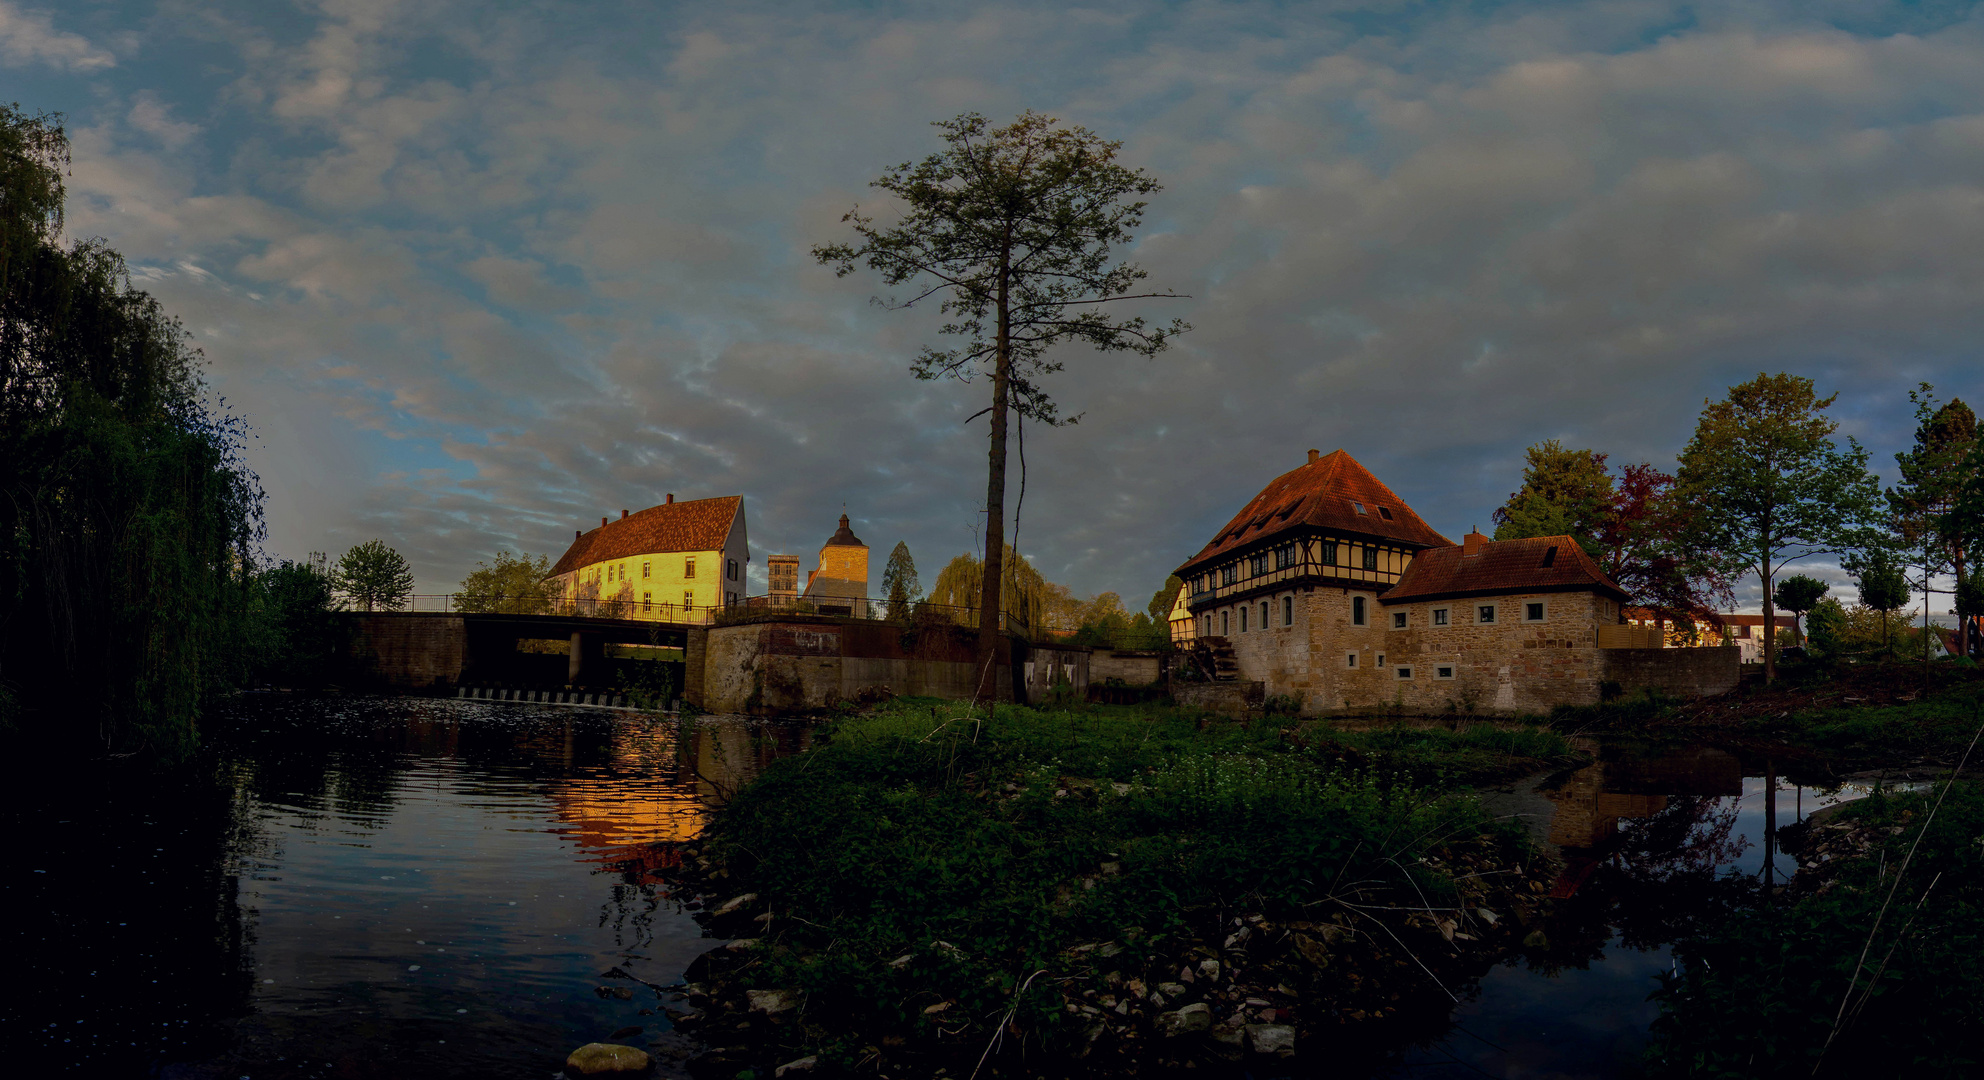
pixel 30 37
pixel 497 276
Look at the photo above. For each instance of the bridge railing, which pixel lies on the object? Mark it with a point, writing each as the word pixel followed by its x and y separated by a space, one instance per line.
pixel 455 603
pixel 879 609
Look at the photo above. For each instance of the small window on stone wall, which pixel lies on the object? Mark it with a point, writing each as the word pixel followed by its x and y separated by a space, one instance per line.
pixel 1381 659
pixel 1288 611
pixel 1443 671
pixel 1402 673
pixel 1224 628
pixel 1243 620
pixel 1350 659
pixel 1532 611
pixel 1398 620
pixel 1439 616
pixel 1264 614
pixel 1357 617
pixel 1484 614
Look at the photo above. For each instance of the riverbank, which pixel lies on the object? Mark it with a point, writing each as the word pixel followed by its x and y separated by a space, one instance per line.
pixel 1105 891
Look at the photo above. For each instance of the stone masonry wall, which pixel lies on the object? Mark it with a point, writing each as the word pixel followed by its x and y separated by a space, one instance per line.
pixel 1507 665
pixel 407 651
pixel 1675 672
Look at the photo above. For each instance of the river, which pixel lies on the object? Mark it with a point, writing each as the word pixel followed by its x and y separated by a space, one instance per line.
pixel 436 888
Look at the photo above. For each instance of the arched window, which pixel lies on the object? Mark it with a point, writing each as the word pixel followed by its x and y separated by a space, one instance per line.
pixel 1357 611
pixel 1288 611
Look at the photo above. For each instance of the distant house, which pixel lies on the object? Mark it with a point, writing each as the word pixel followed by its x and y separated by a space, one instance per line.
pixel 677 562
pixel 840 585
pixel 1746 632
pixel 1327 588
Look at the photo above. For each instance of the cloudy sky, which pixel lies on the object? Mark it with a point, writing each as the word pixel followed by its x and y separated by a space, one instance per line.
pixel 479 274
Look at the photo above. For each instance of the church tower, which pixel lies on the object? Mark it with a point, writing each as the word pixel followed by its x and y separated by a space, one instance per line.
pixel 840 585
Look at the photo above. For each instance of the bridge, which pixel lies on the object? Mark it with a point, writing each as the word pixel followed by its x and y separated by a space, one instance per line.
pixel 439 648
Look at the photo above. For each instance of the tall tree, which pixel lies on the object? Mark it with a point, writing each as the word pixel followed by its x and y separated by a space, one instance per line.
pixel 1564 493
pixel 373 575
pixel 899 582
pixel 1932 482
pixel 1797 594
pixel 128 521
pixel 1164 600
pixel 1630 523
pixel 1015 228
pixel 1766 485
pixel 511 584
pixel 1965 520
pixel 1883 587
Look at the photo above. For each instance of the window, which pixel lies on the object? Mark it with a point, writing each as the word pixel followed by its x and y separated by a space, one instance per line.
pixel 1381 659
pixel 1264 614
pixel 1443 671
pixel 733 569
pixel 1357 611
pixel 1357 506
pixel 1329 553
pixel 1350 660
pixel 1532 611
pixel 688 601
pixel 647 601
pixel 689 569
pixel 1402 673
pixel 1386 513
pixel 645 568
pixel 1440 616
pixel 1288 611
pixel 1284 556
pixel 1243 620
pixel 730 599
pixel 1484 614
pixel 1257 564
pixel 1229 573
pixel 1208 626
pixel 1398 620
pixel 1370 557
pixel 1223 624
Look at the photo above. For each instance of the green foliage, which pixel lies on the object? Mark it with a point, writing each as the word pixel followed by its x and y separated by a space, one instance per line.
pixel 1564 493
pixel 1797 593
pixel 302 633
pixel 514 584
pixel 1766 485
pixel 1826 628
pixel 1162 601
pixel 128 528
pixel 1014 839
pixel 899 582
pixel 373 575
pixel 1756 994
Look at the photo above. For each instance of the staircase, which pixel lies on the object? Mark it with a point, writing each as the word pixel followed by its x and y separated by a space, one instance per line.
pixel 1215 655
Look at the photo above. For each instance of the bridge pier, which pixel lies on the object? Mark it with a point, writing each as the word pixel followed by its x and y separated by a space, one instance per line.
pixel 588 659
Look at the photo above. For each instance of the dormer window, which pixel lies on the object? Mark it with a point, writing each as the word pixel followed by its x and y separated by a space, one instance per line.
pixel 1386 513
pixel 1357 506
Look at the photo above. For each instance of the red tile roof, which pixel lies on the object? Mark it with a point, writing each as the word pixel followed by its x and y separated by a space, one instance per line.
pixel 696 525
pixel 1538 564
pixel 1322 494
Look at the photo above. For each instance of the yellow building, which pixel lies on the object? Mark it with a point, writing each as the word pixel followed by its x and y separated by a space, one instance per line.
pixel 677 562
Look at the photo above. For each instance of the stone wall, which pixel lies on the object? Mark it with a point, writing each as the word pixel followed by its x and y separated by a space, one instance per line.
pixel 409 651
pixel 1132 667
pixel 1046 667
pixel 1674 672
pixel 805 664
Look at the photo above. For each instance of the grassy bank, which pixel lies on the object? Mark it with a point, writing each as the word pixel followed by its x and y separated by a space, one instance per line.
pixel 1759 993
pixel 1853 715
pixel 1118 887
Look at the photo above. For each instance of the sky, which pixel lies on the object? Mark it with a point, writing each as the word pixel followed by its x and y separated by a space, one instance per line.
pixel 479 274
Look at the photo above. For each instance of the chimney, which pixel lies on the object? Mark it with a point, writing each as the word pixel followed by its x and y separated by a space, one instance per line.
pixel 1313 455
pixel 602 522
pixel 623 515
pixel 576 533
pixel 1472 543
pixel 671 496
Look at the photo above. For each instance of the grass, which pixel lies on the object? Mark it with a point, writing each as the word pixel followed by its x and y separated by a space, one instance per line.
pixel 923 857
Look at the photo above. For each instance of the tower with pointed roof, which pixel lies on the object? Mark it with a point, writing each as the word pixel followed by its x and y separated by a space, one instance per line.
pixel 840 585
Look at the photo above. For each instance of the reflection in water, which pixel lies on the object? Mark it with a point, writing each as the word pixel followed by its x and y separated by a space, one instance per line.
pixel 1654 842
pixel 362 888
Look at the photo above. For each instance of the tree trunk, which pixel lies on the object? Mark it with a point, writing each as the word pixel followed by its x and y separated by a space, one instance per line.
pixel 990 593
pixel 1770 633
pixel 1962 621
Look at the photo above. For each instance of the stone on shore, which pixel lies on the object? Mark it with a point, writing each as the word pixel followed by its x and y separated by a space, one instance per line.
pixel 800 1065
pixel 1194 1017
pixel 1271 1038
pixel 607 1059
pixel 772 1002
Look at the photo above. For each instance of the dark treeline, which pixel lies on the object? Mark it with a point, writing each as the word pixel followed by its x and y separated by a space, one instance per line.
pixel 128 521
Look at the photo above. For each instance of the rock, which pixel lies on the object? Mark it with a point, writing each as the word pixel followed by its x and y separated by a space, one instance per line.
pixel 1487 916
pixel 1537 939
pixel 1194 1017
pixel 799 1065
pixel 772 1002
pixel 741 944
pixel 607 1059
pixel 1312 950
pixel 1228 1039
pixel 902 961
pixel 1271 1038
pixel 1171 990
pixel 1209 969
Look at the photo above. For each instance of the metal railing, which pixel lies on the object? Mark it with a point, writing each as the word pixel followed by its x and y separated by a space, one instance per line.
pixel 579 607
